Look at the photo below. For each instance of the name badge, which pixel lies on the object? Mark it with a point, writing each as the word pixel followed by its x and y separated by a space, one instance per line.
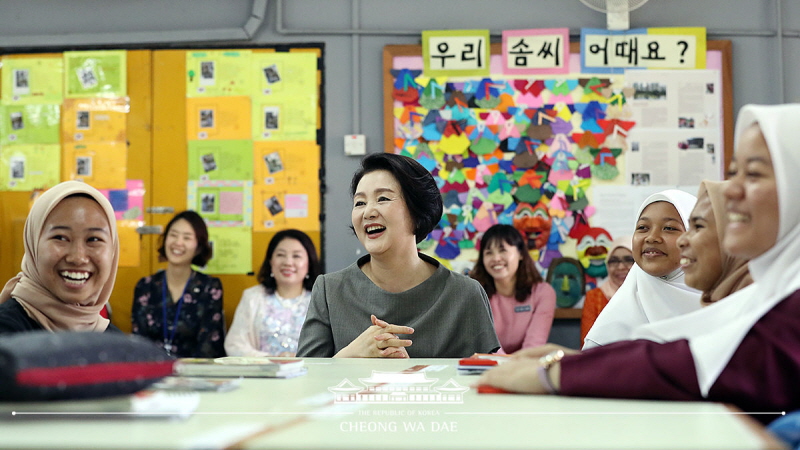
pixel 523 308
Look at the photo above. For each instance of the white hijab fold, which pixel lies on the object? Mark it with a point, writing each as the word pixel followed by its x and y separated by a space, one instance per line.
pixel 643 298
pixel 715 332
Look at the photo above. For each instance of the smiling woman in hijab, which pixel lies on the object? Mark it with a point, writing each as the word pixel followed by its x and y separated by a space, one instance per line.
pixel 706 265
pixel 654 288
pixel 743 350
pixel 69 265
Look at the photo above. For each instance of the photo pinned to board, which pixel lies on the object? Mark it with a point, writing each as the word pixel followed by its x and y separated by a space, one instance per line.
pixel 17 122
pixel 271 74
pixel 273 162
pixel 86 77
pixel 640 179
pixel 21 82
pixel 273 204
pixel 82 120
pixel 83 166
pixel 209 163
pixel 207 73
pixel 208 203
pixel 206 118
pixel 17 168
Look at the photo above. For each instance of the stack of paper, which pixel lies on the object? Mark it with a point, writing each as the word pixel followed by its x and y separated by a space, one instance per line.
pixel 235 366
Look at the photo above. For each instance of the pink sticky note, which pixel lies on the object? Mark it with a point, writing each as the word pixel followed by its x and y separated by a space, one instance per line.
pixel 230 202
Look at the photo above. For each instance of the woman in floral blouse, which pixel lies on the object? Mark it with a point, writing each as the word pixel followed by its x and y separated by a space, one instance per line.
pixel 179 307
pixel 270 315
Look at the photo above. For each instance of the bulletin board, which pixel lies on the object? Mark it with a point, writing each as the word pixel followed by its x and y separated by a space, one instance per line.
pixel 549 154
pixel 233 133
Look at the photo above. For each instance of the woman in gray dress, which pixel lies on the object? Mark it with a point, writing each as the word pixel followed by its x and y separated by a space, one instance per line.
pixel 353 312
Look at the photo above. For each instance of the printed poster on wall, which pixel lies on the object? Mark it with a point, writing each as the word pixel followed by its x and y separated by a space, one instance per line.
pixel 29 81
pixel 220 160
pixel 95 120
pixel 95 74
pixel 217 118
pixel 218 73
pixel 29 166
pixel 29 124
pixel 222 203
pixel 228 245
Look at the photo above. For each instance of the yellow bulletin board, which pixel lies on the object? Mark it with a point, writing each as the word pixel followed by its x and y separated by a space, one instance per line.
pixel 233 133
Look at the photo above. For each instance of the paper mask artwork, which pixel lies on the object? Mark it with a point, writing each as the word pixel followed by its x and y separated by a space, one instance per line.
pixel 592 249
pixel 566 276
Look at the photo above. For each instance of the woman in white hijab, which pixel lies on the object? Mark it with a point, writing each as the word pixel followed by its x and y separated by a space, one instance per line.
pixel 744 350
pixel 654 289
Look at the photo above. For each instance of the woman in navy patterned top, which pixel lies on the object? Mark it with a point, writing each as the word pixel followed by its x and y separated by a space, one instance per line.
pixel 179 307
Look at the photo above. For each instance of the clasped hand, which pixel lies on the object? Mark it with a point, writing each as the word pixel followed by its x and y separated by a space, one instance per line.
pixel 378 341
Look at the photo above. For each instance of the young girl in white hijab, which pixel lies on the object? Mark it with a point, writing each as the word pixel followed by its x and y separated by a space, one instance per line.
pixel 744 350
pixel 654 288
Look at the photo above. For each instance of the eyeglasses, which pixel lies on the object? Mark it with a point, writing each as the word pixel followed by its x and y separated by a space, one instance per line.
pixel 626 261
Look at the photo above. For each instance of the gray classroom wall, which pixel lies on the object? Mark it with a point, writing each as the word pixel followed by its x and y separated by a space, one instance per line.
pixel 766 68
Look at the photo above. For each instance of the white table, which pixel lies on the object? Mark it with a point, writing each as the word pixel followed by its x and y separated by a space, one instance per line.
pixel 421 409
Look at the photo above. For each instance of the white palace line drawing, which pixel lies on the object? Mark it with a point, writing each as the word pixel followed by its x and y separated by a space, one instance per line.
pixel 394 387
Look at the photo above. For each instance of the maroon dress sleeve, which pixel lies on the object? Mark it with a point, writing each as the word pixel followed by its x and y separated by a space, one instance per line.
pixel 760 377
pixel 763 374
pixel 632 369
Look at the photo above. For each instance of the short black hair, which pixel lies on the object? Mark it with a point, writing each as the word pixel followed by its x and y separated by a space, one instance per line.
pixel 313 261
pixel 204 251
pixel 527 274
pixel 422 196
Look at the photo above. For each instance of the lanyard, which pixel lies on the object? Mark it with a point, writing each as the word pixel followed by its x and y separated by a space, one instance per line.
pixel 169 335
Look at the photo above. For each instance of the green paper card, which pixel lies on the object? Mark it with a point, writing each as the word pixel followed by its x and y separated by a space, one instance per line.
pixel 29 167
pixel 221 160
pixel 218 73
pixel 95 74
pixel 30 124
pixel 32 80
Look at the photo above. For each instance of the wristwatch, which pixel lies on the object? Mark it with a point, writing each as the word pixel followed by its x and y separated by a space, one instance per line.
pixel 545 362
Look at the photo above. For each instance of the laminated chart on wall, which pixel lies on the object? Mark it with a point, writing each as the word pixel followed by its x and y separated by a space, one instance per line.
pixel 95 74
pixel 220 160
pixel 29 166
pixel 128 207
pixel 222 203
pixel 287 186
pixel 100 164
pixel 218 118
pixel 94 119
pixel 286 164
pixel 237 103
pixel 289 74
pixel 30 124
pixel 285 118
pixel 32 80
pixel 228 245
pixel 278 208
pixel 523 152
pixel 285 103
pixel 218 73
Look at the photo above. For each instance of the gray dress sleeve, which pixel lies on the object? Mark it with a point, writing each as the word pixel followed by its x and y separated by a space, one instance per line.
pixel 316 336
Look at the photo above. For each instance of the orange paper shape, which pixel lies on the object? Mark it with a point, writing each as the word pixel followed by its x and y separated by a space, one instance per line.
pixel 90 120
pixel 218 118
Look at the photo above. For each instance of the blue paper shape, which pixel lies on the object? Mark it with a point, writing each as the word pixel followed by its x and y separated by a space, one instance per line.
pixel 118 199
